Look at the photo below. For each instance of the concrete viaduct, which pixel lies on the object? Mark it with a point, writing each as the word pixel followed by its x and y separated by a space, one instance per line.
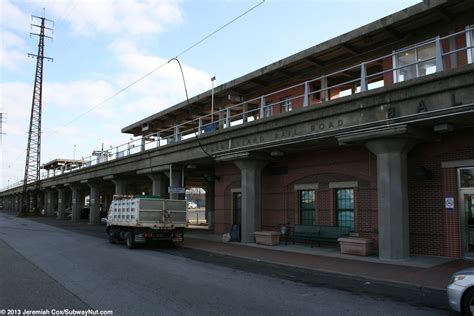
pixel 388 121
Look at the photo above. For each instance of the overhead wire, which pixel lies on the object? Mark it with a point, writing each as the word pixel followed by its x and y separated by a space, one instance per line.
pixel 184 51
pixel 155 69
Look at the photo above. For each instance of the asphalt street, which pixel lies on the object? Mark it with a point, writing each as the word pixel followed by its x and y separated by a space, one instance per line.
pixel 49 267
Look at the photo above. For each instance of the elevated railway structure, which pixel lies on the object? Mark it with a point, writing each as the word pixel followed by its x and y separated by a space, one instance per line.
pixel 372 130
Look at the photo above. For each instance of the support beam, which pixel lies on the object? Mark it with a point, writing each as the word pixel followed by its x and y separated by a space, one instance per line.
pixel 94 203
pixel 159 184
pixel 210 196
pixel 392 195
pixel 120 186
pixel 77 203
pixel 251 183
pixel 61 203
pixel 49 202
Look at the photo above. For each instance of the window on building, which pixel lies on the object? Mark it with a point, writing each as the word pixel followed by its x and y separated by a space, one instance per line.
pixel 415 62
pixel 286 104
pixel 307 206
pixel 466 177
pixel 268 110
pixel 470 43
pixel 345 208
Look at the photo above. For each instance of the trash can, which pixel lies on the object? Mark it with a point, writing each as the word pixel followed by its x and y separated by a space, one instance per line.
pixel 235 233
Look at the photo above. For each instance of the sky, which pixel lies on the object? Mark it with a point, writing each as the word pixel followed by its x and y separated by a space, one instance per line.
pixel 100 47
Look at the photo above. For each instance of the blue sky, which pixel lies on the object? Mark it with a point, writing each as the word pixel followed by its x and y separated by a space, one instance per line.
pixel 101 46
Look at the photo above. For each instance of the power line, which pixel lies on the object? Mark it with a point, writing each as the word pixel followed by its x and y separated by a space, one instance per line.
pixel 155 69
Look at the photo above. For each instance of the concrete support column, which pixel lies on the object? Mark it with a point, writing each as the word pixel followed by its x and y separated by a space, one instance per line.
pixel 94 201
pixel 49 202
pixel 251 178
pixel 392 196
pixel 77 203
pixel 40 201
pixel 106 199
pixel 61 202
pixel 159 182
pixel 176 181
pixel 120 186
pixel 17 203
pixel 210 203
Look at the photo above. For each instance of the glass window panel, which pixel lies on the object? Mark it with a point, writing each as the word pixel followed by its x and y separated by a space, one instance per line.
pixel 427 67
pixel 307 207
pixel 406 57
pixel 426 52
pixel 467 178
pixel 345 208
pixel 285 104
pixel 268 110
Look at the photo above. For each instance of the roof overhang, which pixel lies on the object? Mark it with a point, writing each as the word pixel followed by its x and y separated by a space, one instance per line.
pixel 382 36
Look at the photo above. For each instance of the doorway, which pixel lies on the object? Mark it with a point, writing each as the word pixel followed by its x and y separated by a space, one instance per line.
pixel 466 200
pixel 237 201
pixel 236 229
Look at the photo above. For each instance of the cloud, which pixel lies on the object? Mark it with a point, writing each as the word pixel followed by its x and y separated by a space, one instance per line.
pixel 133 17
pixel 13 18
pixel 12 51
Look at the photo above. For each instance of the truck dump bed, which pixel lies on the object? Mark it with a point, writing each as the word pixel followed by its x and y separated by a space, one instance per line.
pixel 147 212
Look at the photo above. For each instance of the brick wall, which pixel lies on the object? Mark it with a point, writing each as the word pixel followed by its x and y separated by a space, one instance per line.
pixel 433 229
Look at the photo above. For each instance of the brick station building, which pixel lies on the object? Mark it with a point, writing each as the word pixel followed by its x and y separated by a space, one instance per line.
pixel 372 130
pixel 382 161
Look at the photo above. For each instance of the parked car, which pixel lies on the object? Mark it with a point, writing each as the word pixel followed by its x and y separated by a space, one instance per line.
pixel 461 291
pixel 84 213
pixel 192 205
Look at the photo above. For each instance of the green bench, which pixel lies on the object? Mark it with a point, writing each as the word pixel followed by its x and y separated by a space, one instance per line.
pixel 318 233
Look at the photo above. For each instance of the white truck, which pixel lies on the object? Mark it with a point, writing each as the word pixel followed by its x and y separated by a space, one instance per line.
pixel 140 219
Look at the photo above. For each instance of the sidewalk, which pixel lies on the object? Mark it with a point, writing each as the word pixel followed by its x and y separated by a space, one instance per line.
pixel 423 272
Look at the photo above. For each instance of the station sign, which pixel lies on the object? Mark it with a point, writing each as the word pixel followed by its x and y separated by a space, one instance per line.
pixel 176 190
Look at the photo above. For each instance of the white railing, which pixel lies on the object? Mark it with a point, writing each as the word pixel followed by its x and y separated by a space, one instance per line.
pixel 260 107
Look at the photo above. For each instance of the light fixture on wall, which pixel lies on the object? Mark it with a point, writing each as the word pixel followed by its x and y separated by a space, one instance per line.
pixel 277 153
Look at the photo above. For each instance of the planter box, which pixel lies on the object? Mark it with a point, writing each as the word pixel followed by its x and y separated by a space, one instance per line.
pixel 356 246
pixel 268 238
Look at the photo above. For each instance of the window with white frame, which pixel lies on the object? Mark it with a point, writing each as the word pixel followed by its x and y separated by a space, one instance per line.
pixel 470 43
pixel 285 103
pixel 415 62
pixel 268 110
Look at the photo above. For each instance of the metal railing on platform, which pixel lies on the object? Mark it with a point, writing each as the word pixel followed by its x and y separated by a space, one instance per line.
pixel 410 62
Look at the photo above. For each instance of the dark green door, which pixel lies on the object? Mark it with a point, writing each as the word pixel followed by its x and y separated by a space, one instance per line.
pixel 237 200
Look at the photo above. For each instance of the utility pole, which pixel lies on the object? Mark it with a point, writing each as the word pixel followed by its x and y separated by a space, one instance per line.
pixel 3 118
pixel 31 179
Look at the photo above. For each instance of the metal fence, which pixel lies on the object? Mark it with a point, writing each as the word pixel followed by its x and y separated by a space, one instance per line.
pixel 426 57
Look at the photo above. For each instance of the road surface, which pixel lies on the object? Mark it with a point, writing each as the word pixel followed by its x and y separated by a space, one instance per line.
pixel 45 267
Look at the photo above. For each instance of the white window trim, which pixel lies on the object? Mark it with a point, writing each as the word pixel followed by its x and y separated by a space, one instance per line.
pixel 469 42
pixel 306 186
pixel 343 185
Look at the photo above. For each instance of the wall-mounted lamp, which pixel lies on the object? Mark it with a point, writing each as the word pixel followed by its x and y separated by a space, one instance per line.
pixel 277 153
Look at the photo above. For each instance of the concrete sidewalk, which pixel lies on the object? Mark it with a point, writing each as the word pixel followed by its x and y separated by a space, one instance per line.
pixel 422 272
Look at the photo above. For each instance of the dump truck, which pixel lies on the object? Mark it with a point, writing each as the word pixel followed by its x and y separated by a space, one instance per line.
pixel 141 219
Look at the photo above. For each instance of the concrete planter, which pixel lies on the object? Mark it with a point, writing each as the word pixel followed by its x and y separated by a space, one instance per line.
pixel 268 238
pixel 356 246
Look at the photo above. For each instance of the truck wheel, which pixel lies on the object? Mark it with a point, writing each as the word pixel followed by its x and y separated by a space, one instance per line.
pixel 130 240
pixel 110 234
